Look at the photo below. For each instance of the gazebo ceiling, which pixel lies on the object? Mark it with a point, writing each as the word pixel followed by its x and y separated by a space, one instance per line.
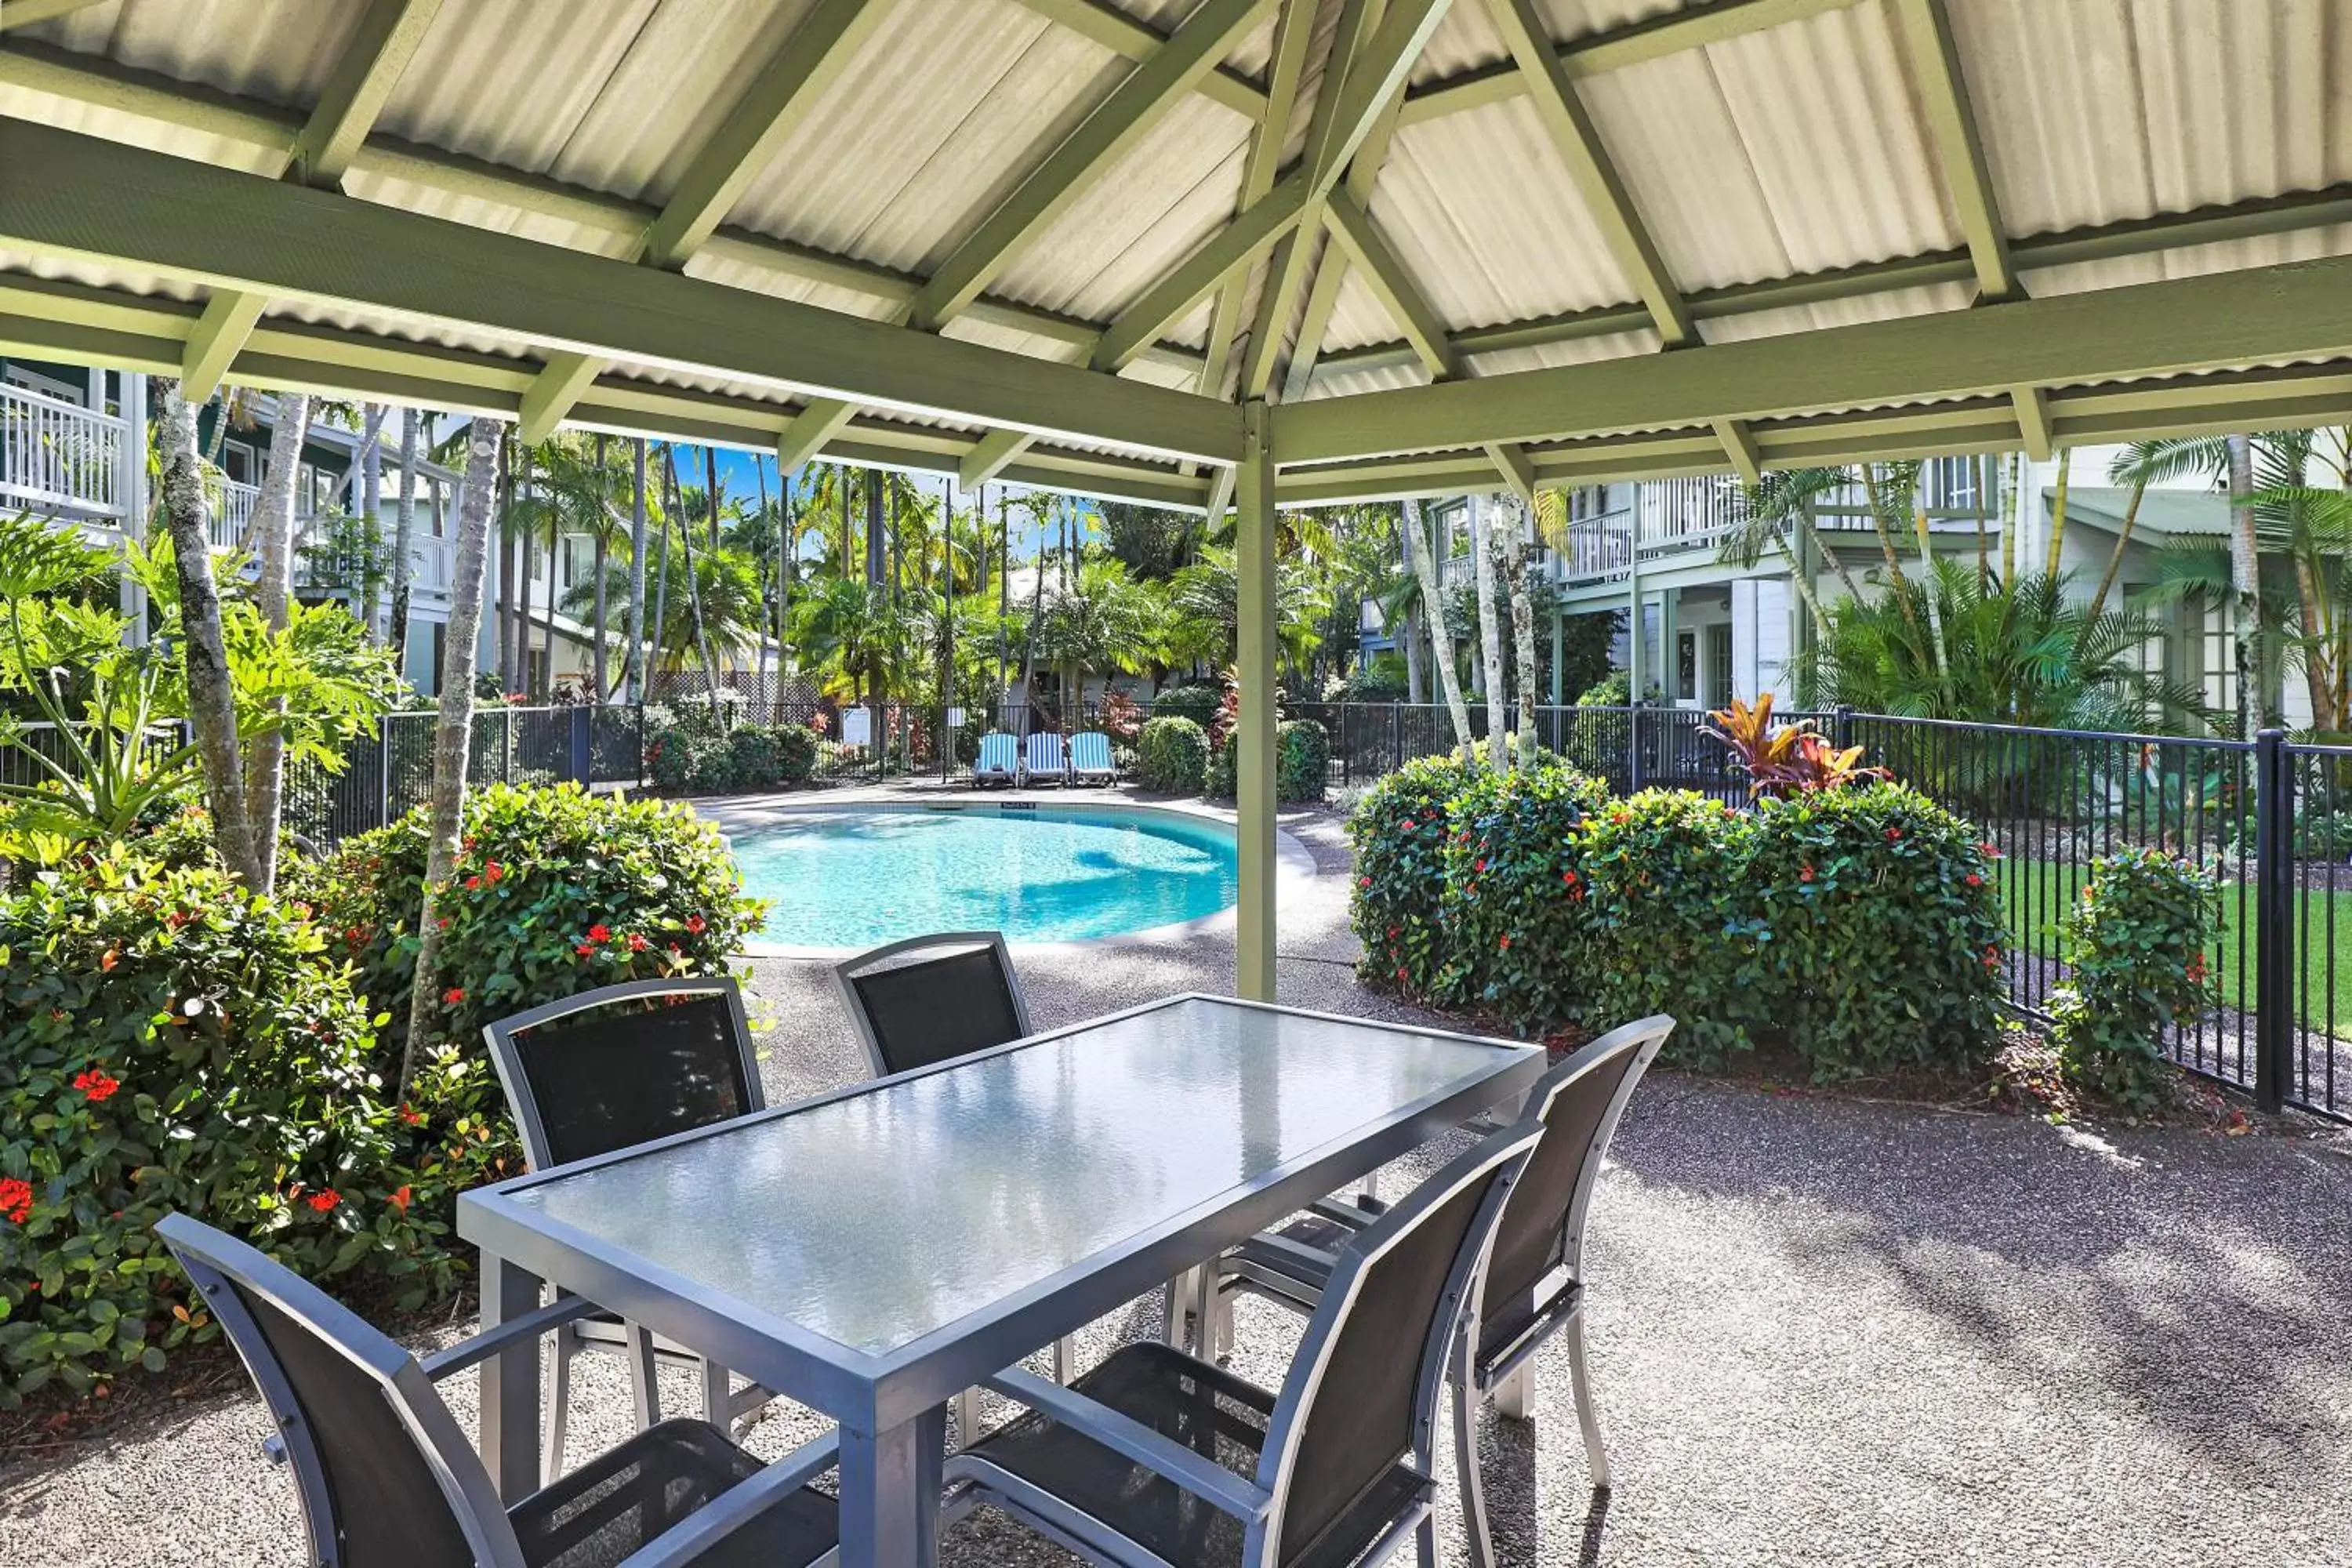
pixel 1058 241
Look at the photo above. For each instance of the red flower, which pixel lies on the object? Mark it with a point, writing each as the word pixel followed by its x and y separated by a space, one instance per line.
pixel 325 1199
pixel 1505 946
pixel 695 925
pixel 494 870
pixel 473 884
pixel 2196 971
pixel 600 931
pixel 442 922
pixel 399 1200
pixel 1893 834
pixel 637 942
pixel 95 1085
pixel 1804 873
pixel 585 948
pixel 451 997
pixel 411 1115
pixel 1481 867
pixel 1406 825
pixel 16 1198
pixel 1990 851
pixel 1974 880
pixel 1363 881
pixel 1567 878
pixel 1400 971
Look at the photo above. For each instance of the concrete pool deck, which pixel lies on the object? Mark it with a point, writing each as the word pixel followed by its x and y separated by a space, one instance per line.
pixel 1824 1333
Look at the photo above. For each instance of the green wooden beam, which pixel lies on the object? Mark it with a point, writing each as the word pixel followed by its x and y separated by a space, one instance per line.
pixel 62 194
pixel 1114 130
pixel 1292 35
pixel 1739 445
pixel 819 422
pixel 1376 74
pixel 989 456
pixel 553 391
pixel 25 12
pixel 1578 142
pixel 1331 266
pixel 1385 272
pixel 779 100
pixel 1517 468
pixel 358 88
pixel 1236 244
pixel 1695 25
pixel 228 320
pixel 1221 495
pixel 2033 424
pixel 1114 29
pixel 2177 325
pixel 1926 30
pixel 1254 643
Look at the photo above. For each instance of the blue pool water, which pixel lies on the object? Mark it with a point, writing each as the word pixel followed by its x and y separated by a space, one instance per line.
pixel 862 876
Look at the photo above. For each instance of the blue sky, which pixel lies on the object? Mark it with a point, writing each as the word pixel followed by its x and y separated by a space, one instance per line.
pixel 739 480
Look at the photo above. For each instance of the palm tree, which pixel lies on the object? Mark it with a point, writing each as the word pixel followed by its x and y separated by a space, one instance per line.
pixel 1778 509
pixel 404 531
pixel 272 539
pixel 1103 620
pixel 1205 608
pixel 1513 518
pixel 1490 631
pixel 635 672
pixel 1441 639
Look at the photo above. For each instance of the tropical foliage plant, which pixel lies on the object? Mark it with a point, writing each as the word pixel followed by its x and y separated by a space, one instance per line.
pixel 2134 945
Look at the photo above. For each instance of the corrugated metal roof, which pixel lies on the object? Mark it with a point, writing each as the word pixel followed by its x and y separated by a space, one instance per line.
pixel 1786 150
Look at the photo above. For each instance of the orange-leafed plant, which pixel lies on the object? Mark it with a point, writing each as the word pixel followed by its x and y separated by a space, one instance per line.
pixel 1785 759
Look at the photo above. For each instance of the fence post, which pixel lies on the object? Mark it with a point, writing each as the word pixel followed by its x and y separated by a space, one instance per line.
pixel 1842 727
pixel 583 768
pixel 638 767
pixel 384 770
pixel 1396 726
pixel 2274 918
pixel 1634 748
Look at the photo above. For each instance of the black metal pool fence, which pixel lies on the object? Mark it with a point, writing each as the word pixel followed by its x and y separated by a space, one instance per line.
pixel 2272 817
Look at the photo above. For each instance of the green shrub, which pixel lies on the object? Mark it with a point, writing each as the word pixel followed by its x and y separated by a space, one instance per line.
pixel 1615 690
pixel 1515 893
pixel 1198 703
pixel 2134 951
pixel 1223 781
pixel 1676 923
pixel 1172 754
pixel 170 1041
pixel 1302 754
pixel 557 891
pixel 773 756
pixel 1399 832
pixel 1886 928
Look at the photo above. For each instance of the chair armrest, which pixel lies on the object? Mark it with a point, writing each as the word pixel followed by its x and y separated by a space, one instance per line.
pixel 1203 1478
pixel 738 1505
pixel 490 1342
pixel 1347 1214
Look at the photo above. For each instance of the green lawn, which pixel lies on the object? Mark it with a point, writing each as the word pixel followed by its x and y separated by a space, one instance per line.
pixel 2037 893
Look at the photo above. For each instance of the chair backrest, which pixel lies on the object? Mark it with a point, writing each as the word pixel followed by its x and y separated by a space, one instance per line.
pixel 998 753
pixel 1579 1104
pixel 1090 752
pixel 614 1067
pixel 1363 1388
pixel 386 1477
pixel 1045 754
pixel 911 1011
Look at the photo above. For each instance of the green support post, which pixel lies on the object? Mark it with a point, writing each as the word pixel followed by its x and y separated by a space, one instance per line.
pixel 1253 777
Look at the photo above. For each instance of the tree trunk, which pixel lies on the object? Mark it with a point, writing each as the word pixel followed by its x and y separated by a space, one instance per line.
pixel 370 462
pixel 1004 581
pixel 1418 550
pixel 2115 556
pixel 1029 643
pixel 1928 572
pixel 1523 643
pixel 453 731
pixel 661 599
pixel 1490 631
pixel 555 545
pixel 1803 583
pixel 2058 514
pixel 404 531
pixel 634 667
pixel 2012 492
pixel 1416 685
pixel 760 468
pixel 787 565
pixel 693 588
pixel 211 703
pixel 2246 590
pixel 273 534
pixel 874 528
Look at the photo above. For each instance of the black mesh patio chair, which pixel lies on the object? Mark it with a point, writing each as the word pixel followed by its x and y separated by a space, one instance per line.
pixel 386 1478
pixel 1156 1456
pixel 1535 1284
pixel 609 1069
pixel 916 1012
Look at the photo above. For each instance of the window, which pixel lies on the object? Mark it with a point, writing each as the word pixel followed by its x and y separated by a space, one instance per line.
pixel 1718 677
pixel 1686 666
pixel 48 386
pixel 239 462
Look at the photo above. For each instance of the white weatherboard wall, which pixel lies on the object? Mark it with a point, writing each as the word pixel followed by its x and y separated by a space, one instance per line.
pixel 1759 637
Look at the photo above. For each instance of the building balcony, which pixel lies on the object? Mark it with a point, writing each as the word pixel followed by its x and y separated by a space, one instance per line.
pixel 61 461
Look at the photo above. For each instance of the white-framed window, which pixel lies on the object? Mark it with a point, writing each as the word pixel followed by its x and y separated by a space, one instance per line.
pixel 239 462
pixel 32 380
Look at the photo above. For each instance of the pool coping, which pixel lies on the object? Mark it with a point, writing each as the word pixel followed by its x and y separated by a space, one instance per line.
pixel 1294 862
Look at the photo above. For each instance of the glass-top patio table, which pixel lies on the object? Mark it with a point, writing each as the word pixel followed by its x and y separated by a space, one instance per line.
pixel 873 1252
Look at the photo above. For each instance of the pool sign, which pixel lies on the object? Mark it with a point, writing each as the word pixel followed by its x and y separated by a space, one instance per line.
pixel 856 727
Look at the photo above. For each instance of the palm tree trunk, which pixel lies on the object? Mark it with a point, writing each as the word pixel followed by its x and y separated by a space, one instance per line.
pixel 212 703
pixel 788 549
pixel 1984 548
pixel 2319 673
pixel 1418 550
pixel 453 731
pixel 555 545
pixel 1490 632
pixel 660 626
pixel 2058 513
pixel 760 468
pixel 372 506
pixel 273 536
pixel 1803 582
pixel 2012 488
pixel 693 588
pixel 1416 684
pixel 1004 581
pixel 1523 649
pixel 636 657
pixel 2245 583
pixel 2115 556
pixel 1928 572
pixel 1029 641
pixel 403 532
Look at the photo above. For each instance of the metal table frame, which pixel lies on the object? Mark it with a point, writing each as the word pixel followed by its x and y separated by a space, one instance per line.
pixel 892 1407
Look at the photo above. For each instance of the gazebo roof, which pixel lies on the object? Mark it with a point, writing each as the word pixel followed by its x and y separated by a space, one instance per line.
pixel 1059 241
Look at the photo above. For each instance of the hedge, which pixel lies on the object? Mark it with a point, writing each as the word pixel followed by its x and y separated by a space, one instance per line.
pixel 1172 754
pixel 1302 755
pixel 1399 830
pixel 2135 950
pixel 1515 901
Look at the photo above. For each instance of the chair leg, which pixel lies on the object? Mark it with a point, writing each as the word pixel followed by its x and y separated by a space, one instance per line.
pixel 559 1408
pixel 966 1407
pixel 1176 1307
pixel 1514 1396
pixel 1579 1375
pixel 1465 1463
pixel 1065 1360
pixel 1424 1541
pixel 645 1383
pixel 716 1407
pixel 1204 1311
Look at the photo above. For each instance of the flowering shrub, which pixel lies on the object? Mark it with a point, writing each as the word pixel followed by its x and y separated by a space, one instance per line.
pixel 2134 951
pixel 1516 902
pixel 1677 922
pixel 1302 755
pixel 1172 756
pixel 1400 834
pixel 1886 928
pixel 557 891
pixel 170 1041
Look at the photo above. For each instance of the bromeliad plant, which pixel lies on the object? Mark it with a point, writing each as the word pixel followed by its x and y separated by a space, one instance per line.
pixel 1786 759
pixel 2134 952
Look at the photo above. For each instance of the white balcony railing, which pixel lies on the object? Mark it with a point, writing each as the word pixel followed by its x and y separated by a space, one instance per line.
pixel 1597 547
pixel 59 458
pixel 229 505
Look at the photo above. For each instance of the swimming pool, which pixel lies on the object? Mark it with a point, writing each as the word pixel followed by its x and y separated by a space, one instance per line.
pixel 861 876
